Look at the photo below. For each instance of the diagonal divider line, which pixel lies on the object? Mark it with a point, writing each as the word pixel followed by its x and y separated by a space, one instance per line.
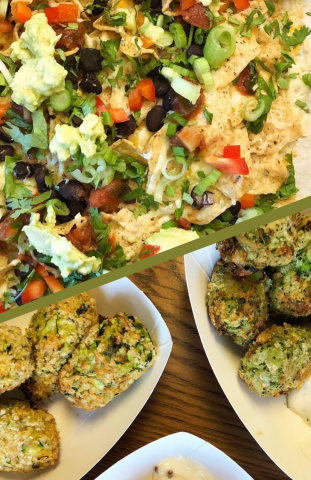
pixel 277 214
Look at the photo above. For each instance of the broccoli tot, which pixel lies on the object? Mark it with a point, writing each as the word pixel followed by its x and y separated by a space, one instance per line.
pixel 290 293
pixel 272 245
pixel 109 359
pixel 54 332
pixel 238 305
pixel 304 232
pixel 278 361
pixel 29 438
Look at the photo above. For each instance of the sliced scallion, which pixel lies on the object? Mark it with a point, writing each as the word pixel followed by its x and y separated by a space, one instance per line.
pixel 207 182
pixel 186 89
pixel 306 78
pixel 179 35
pixel 174 176
pixel 253 109
pixel 203 73
pixel 220 45
pixel 107 120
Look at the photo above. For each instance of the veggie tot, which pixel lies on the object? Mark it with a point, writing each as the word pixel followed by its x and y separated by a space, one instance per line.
pixel 35 289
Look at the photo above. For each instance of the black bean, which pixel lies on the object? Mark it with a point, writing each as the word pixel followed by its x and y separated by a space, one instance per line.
pixel 40 174
pixel 155 117
pixel 6 151
pixel 167 101
pixel 23 170
pixel 91 60
pixel 155 72
pixel 72 190
pixel 98 7
pixel 138 2
pixel 155 3
pixel 76 207
pixel 200 201
pixel 125 129
pixel 4 136
pixel 76 121
pixel 162 86
pixel 54 195
pixel 20 274
pixel 234 209
pixel 195 50
pixel 91 84
pixel 64 218
pixel 182 105
pixel 23 112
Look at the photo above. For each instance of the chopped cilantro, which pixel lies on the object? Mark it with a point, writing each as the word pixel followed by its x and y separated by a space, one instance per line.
pixel 208 115
pixel 116 260
pixel 117 20
pixel 184 189
pixel 101 230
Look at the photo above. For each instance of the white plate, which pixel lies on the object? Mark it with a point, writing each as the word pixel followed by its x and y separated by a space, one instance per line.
pixel 140 464
pixel 283 435
pixel 87 436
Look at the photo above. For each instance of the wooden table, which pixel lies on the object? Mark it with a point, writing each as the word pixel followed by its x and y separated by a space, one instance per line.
pixel 188 397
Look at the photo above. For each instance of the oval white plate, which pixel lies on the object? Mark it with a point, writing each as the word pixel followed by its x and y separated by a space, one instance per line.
pixel 87 436
pixel 283 435
pixel 139 465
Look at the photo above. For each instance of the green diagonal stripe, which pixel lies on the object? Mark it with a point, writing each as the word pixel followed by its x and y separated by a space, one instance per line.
pixel 237 229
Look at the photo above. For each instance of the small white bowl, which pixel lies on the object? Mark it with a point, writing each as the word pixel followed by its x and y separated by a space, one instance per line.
pixel 139 465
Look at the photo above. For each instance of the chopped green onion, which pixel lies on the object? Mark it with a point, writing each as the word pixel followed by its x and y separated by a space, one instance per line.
pixel 270 6
pixel 207 182
pixel 148 67
pixel 176 116
pixel 302 105
pixel 220 45
pixel 107 120
pixel 169 224
pixel 170 191
pixel 186 89
pixel 179 35
pixel 283 83
pixel 160 21
pixel 208 115
pixel 173 176
pixel 253 109
pixel 234 21
pixel 306 78
pixel 178 151
pixel 187 198
pixel 184 72
pixel 171 129
pixel 203 73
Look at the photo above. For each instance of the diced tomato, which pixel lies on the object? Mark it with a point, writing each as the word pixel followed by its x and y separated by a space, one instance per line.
pixel 41 270
pixel 108 198
pixel 232 151
pixel 100 106
pixel 68 13
pixel 4 108
pixel 185 4
pixel 241 4
pixel 147 42
pixel 135 100
pixel 5 26
pixel 148 251
pixel 83 238
pixel 6 229
pixel 53 283
pixel 52 14
pixel 147 89
pixel 246 82
pixel 118 115
pixel 21 12
pixel 225 5
pixel 247 201
pixel 196 15
pixel 184 223
pixel 140 19
pixel 2 307
pixel 190 137
pixel 35 289
pixel 63 13
pixel 231 166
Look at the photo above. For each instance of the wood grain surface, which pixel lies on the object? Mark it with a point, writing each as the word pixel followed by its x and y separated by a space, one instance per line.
pixel 188 397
